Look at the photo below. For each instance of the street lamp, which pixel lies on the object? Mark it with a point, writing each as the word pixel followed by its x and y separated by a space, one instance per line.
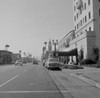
pixel 20 54
pixel 43 50
pixel 55 43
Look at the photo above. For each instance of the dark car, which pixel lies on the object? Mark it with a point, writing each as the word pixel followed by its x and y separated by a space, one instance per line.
pixel 35 62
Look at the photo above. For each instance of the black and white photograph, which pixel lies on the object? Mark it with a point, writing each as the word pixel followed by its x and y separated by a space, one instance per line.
pixel 49 48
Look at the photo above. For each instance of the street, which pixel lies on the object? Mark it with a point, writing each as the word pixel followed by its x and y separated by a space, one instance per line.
pixel 35 81
pixel 28 81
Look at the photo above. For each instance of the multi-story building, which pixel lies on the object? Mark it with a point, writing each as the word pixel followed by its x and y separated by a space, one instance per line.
pixel 86 16
pixel 64 43
pixel 16 56
pixel 5 57
pixel 66 49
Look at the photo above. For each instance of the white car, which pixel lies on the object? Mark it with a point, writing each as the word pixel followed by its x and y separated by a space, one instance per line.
pixel 52 63
pixel 18 63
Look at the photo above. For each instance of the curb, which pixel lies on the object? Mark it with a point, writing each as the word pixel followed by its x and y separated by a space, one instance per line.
pixel 86 80
pixel 64 92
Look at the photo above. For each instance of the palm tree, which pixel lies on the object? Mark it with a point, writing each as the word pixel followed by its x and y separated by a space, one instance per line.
pixel 6 47
pixel 24 54
pixel 20 53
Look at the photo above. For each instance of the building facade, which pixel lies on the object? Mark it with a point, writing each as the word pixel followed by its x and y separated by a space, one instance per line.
pixel 5 57
pixel 16 56
pixel 86 19
pixel 86 15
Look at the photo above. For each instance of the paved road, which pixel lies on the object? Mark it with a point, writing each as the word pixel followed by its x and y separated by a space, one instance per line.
pixel 28 81
pixel 35 81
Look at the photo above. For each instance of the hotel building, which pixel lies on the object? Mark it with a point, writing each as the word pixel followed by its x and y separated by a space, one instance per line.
pixel 86 33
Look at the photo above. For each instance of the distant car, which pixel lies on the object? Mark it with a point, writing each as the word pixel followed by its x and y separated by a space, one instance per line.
pixel 35 62
pixel 18 63
pixel 52 63
pixel 24 62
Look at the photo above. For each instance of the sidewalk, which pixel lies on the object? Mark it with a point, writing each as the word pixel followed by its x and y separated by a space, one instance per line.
pixel 88 74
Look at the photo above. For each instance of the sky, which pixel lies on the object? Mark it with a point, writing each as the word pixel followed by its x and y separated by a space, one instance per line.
pixel 26 24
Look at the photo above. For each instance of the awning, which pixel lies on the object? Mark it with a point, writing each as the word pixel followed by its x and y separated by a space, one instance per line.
pixel 72 52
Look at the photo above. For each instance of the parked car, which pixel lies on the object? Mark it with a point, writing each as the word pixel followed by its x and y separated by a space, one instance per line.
pixel 18 63
pixel 52 63
pixel 35 62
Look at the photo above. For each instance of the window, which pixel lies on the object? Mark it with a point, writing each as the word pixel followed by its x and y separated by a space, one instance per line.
pixel 74 8
pixel 77 26
pixel 81 22
pixel 76 3
pixel 89 15
pixel 77 15
pixel 85 19
pixel 89 28
pixel 85 6
pixel 88 2
pixel 80 12
pixel 74 18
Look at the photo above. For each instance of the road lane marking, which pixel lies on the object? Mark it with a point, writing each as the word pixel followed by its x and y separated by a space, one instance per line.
pixel 33 91
pixel 9 80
